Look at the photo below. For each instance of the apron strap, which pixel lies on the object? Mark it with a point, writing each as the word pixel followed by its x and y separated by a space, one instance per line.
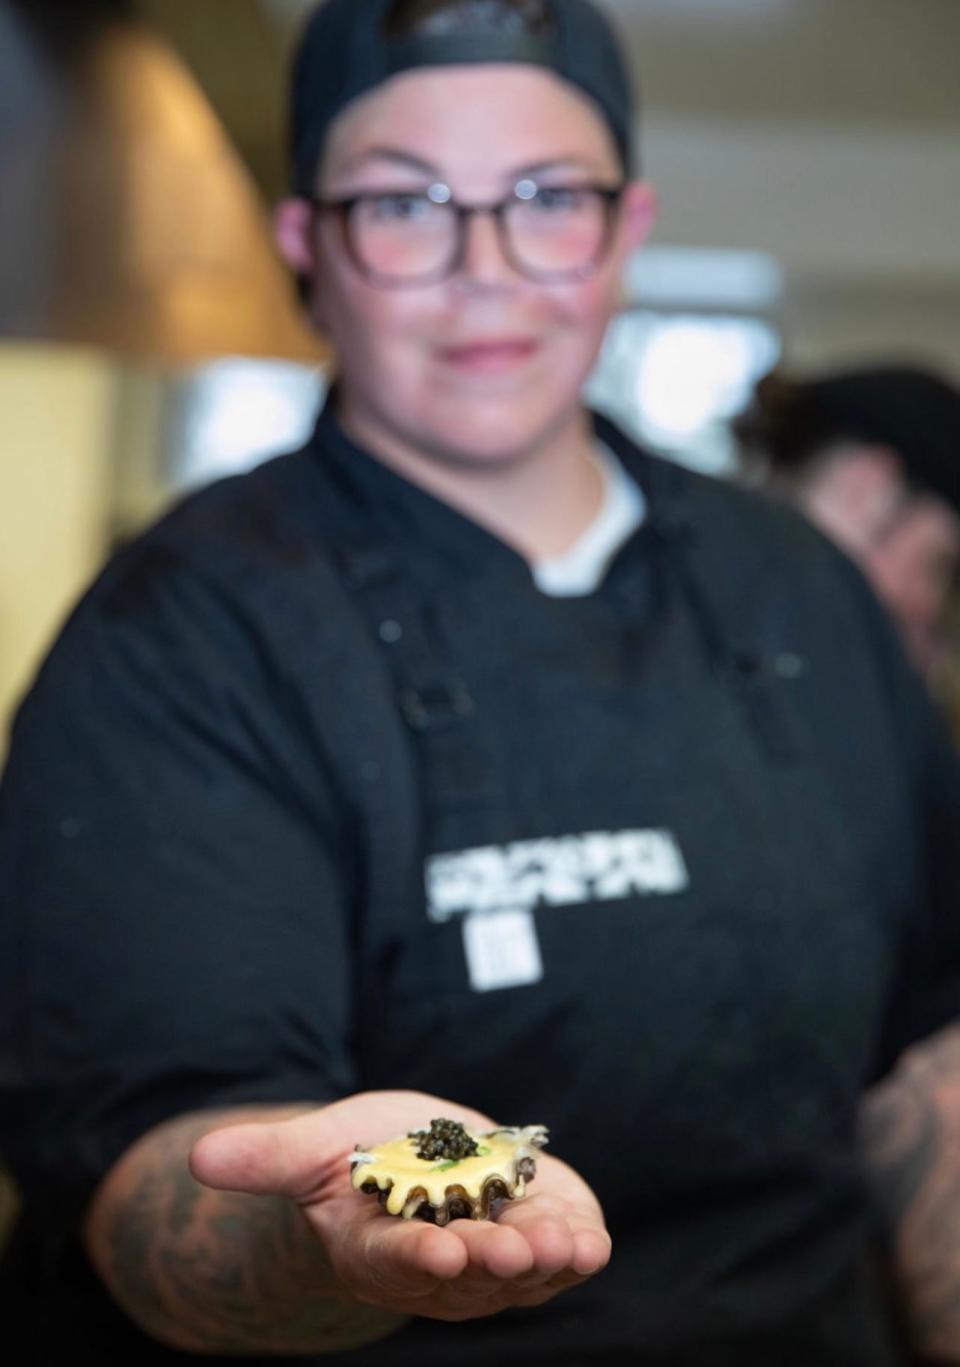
pixel 434 700
pixel 759 672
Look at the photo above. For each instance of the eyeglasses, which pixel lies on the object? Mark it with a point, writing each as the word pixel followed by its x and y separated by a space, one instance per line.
pixel 548 233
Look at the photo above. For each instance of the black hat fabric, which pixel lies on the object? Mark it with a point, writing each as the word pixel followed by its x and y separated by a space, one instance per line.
pixel 345 51
pixel 913 411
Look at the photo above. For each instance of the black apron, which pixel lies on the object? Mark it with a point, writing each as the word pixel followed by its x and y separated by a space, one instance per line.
pixel 698 1052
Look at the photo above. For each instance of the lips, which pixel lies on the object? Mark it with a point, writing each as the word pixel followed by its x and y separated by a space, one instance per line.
pixel 489 355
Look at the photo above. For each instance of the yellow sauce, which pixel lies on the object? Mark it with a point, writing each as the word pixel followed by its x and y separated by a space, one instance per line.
pixel 397 1170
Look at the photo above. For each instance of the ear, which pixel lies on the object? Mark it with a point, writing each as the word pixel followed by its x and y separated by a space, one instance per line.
pixel 640 208
pixel 293 233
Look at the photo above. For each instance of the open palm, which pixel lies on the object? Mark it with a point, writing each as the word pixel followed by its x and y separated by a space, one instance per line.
pixel 553 1239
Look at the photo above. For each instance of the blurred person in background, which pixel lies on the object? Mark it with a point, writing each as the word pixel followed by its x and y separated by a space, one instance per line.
pixel 471 763
pixel 872 457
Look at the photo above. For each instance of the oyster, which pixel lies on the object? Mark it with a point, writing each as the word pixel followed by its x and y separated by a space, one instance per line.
pixel 449 1172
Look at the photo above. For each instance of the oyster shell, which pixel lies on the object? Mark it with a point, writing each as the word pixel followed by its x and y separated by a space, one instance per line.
pixel 466 1177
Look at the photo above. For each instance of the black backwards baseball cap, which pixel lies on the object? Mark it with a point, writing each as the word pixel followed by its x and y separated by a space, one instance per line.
pixel 346 50
pixel 914 411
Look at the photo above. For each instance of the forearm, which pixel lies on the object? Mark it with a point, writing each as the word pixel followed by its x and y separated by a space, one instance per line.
pixel 910 1138
pixel 217 1272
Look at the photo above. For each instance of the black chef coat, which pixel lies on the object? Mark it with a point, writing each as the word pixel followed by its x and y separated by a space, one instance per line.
pixel 311 736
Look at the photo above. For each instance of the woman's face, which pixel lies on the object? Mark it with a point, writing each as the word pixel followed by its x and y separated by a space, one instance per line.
pixel 906 542
pixel 486 364
pixel 913 568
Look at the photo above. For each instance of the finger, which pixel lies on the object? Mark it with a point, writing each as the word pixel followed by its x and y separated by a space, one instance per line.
pixel 588 1249
pixel 380 1258
pixel 550 1239
pixel 493 1250
pixel 591 1254
pixel 428 1252
pixel 591 1251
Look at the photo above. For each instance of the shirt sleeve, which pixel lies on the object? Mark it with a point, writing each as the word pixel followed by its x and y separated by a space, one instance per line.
pixel 175 930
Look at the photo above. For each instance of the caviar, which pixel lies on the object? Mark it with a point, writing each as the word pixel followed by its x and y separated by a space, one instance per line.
pixel 446 1139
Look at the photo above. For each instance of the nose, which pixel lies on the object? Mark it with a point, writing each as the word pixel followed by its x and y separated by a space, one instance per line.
pixel 483 261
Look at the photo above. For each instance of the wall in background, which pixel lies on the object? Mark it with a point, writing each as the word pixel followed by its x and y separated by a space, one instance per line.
pixel 54 491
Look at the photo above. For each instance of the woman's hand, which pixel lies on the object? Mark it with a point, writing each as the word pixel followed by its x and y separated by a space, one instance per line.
pixel 553 1239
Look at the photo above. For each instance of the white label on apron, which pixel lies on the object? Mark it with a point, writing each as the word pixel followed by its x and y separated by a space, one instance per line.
pixel 555 871
pixel 502 950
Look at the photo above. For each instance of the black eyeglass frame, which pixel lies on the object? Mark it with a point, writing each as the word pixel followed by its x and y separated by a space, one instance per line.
pixel 611 196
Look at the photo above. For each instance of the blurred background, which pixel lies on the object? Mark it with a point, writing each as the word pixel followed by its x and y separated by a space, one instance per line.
pixel 807 154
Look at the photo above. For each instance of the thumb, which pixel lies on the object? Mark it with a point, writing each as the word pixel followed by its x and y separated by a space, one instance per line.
pixel 299 1156
pixel 283 1158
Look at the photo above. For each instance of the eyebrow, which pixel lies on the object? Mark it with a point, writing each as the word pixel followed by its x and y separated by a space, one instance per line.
pixel 581 163
pixel 398 156
pixel 394 154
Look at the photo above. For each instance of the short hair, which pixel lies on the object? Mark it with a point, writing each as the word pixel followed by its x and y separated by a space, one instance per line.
pixel 914 410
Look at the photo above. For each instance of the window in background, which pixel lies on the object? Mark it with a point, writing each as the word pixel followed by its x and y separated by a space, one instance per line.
pixel 232 414
pixel 673 381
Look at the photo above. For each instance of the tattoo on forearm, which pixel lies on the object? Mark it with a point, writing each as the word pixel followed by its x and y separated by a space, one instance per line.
pixel 910 1141
pixel 228 1273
